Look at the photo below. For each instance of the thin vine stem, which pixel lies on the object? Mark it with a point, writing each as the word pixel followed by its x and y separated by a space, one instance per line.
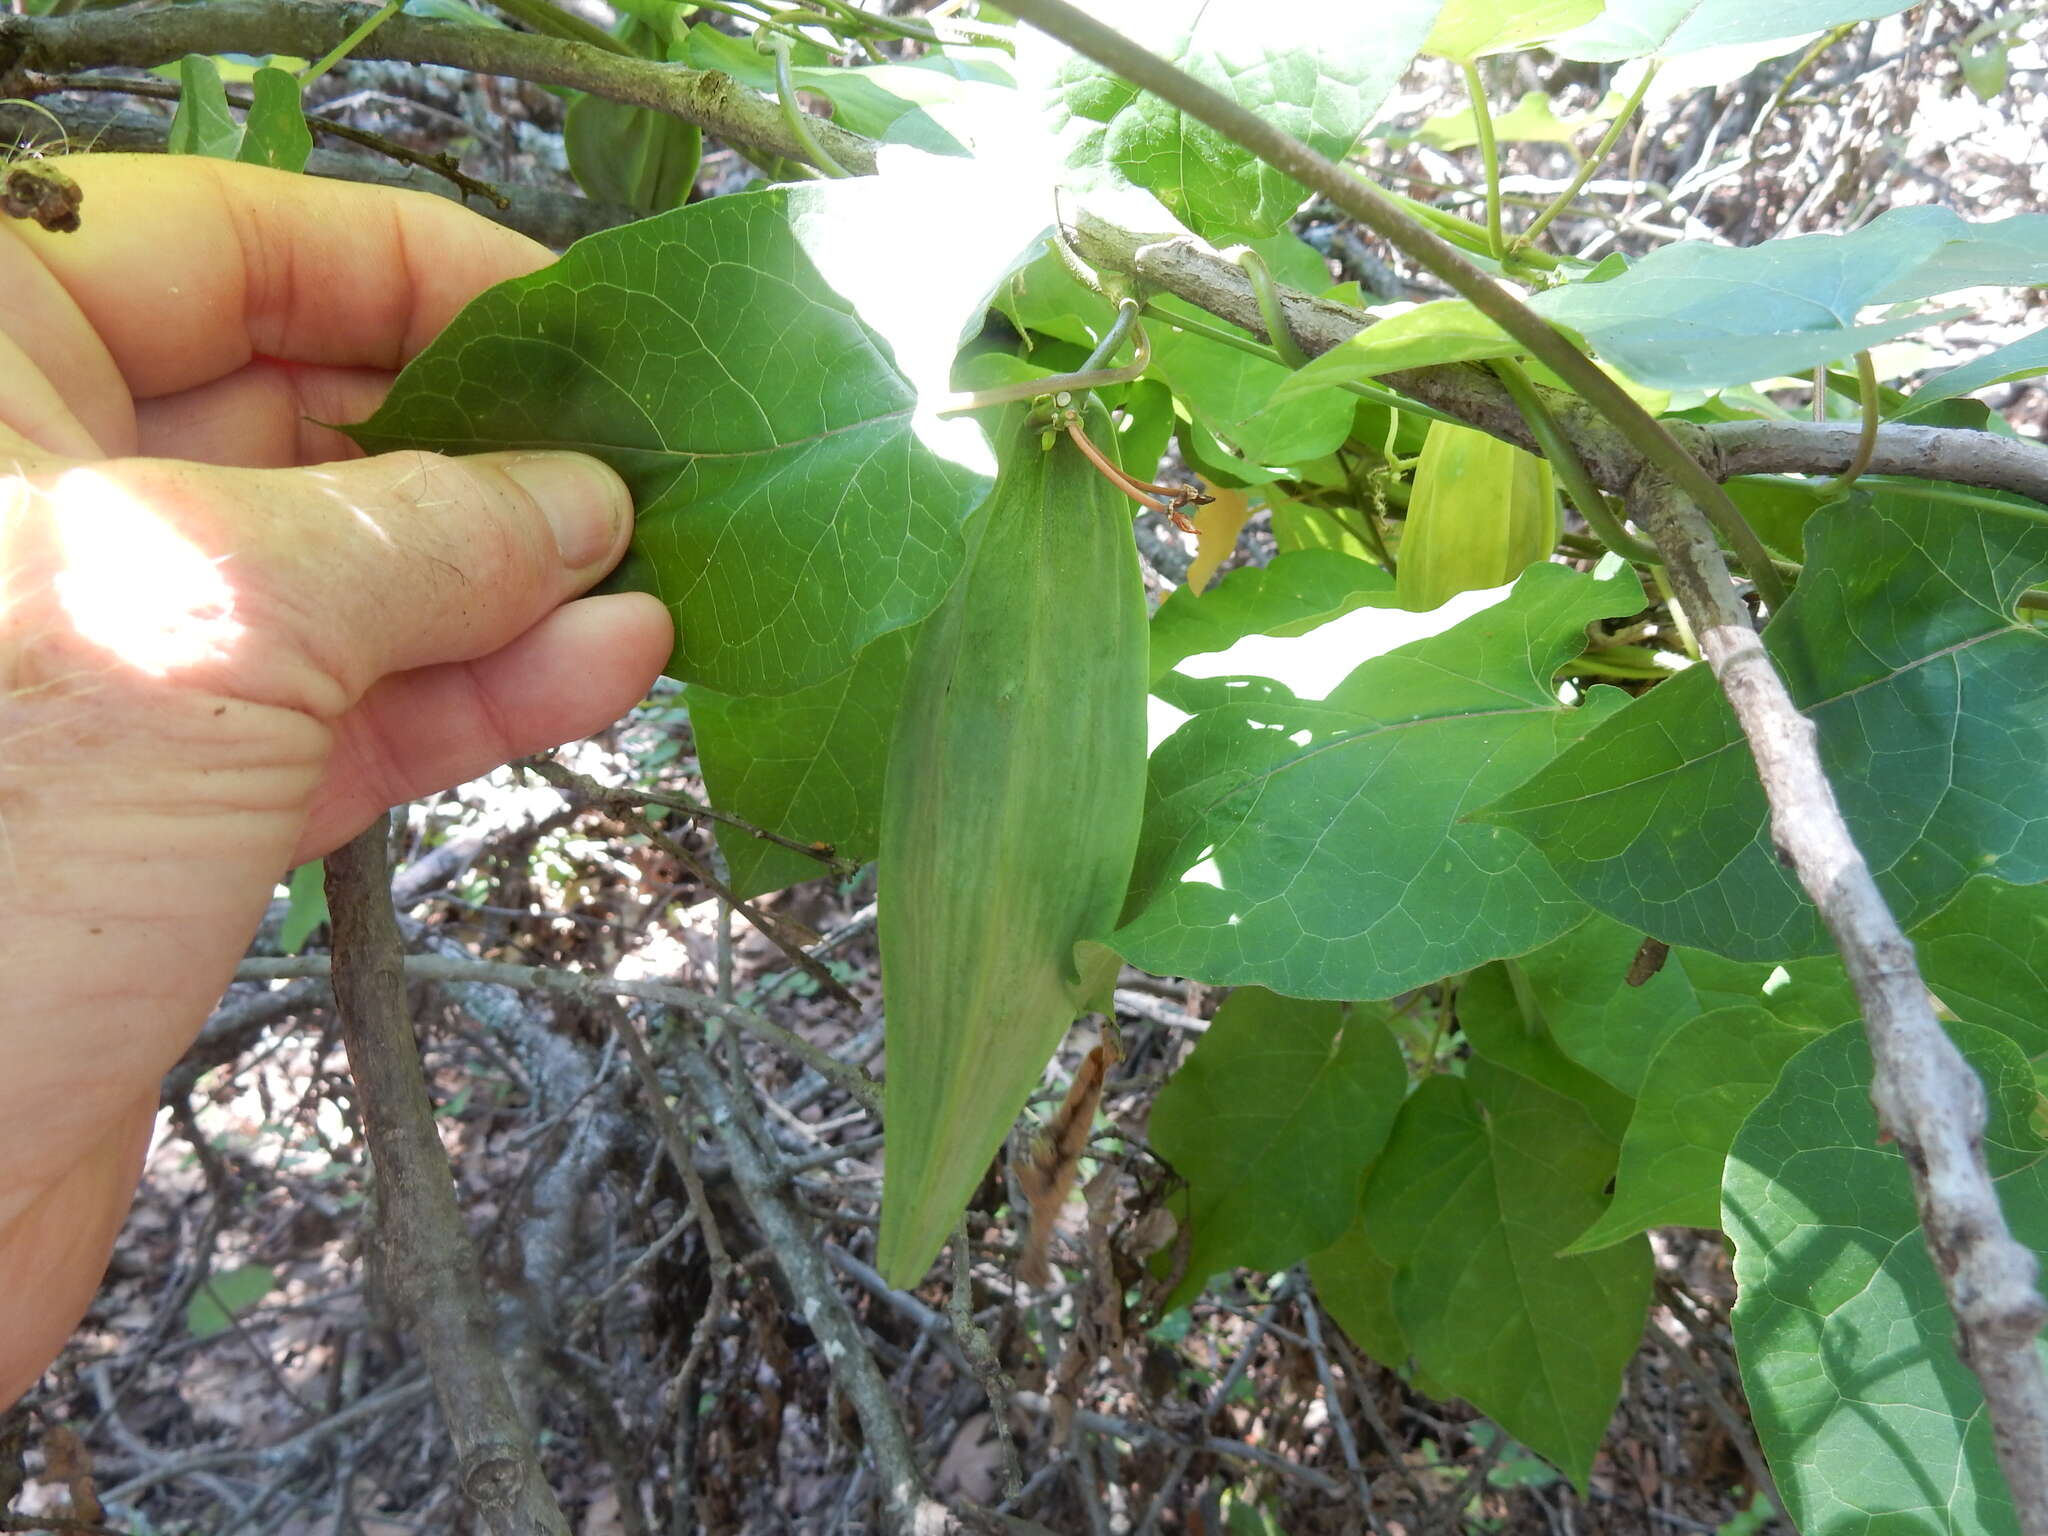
pixel 951 31
pixel 1805 62
pixel 346 46
pixel 1119 331
pixel 1090 377
pixel 1569 468
pixel 1866 440
pixel 1267 297
pixel 1489 152
pixel 1372 208
pixel 1592 162
pixel 793 114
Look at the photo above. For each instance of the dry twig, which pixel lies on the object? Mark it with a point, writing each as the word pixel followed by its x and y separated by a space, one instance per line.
pixel 430 1265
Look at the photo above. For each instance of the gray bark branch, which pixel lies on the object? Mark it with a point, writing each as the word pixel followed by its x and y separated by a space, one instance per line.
pixel 908 1507
pixel 1191 270
pixel 138 38
pixel 427 1258
pixel 555 219
pixel 574 983
pixel 1928 1099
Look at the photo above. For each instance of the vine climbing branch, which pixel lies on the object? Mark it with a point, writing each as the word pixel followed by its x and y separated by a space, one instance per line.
pixel 1928 1100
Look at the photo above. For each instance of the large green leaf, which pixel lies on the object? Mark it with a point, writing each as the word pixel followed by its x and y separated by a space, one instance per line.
pixel 1510 1031
pixel 1632 29
pixel 1469 29
pixel 1931 705
pixel 1321 847
pixel 1297 592
pixel 1702 1084
pixel 1580 983
pixel 753 366
pixel 1357 1287
pixel 1445 331
pixel 1271 1121
pixel 1485 1178
pixel 1320 69
pixel 1985 955
pixel 2021 359
pixel 807 764
pixel 1699 316
pixel 1870 1420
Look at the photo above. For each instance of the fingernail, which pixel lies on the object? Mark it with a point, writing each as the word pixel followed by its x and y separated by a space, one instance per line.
pixel 584 502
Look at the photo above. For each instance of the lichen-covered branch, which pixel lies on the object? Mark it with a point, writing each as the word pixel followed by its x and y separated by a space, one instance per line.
pixel 1924 453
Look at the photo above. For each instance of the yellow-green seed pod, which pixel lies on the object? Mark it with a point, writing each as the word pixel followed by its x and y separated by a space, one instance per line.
pixel 1480 513
pixel 1010 820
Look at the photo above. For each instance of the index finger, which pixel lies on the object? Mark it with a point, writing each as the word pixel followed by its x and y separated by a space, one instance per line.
pixel 189 267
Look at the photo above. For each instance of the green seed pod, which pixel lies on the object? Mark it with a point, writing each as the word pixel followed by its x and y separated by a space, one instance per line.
pixel 1481 512
pixel 1010 817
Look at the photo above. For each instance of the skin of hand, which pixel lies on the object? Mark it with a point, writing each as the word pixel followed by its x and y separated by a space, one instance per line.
pixel 228 641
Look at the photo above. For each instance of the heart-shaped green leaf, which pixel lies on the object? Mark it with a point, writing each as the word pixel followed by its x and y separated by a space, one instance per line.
pixel 1321 847
pixel 755 376
pixel 1870 1420
pixel 1272 1121
pixel 1932 721
pixel 1485 1178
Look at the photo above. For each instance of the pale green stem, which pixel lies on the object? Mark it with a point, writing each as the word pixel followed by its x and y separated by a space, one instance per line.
pixel 1569 468
pixel 1866 441
pixel 1805 62
pixel 1594 161
pixel 1090 377
pixel 1267 297
pixel 1489 153
pixel 346 46
pixel 795 117
pixel 1679 621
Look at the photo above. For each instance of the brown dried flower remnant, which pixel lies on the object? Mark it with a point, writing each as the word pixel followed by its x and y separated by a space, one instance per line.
pixel 35 190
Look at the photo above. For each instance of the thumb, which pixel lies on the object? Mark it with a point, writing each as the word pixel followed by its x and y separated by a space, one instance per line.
pixel 360 568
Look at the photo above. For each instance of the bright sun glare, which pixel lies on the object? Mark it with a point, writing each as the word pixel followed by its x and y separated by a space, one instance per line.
pixel 134 585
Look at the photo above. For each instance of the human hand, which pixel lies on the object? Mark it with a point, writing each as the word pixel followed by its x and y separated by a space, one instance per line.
pixel 227 641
